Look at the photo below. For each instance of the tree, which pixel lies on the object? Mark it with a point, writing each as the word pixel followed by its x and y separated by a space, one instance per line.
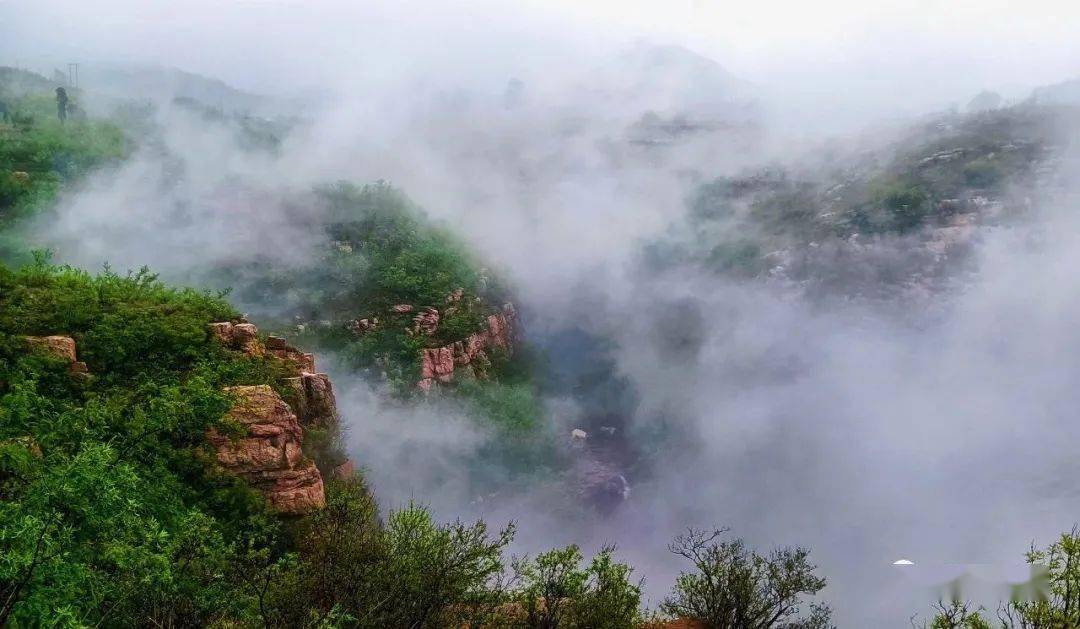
pixel 1054 605
pixel 555 591
pixel 342 551
pixel 733 587
pixel 956 614
pixel 437 573
pixel 550 584
pixel 1060 571
pixel 611 600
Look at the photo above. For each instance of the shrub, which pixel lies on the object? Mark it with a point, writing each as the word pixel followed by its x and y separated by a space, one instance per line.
pixel 733 587
pixel 555 591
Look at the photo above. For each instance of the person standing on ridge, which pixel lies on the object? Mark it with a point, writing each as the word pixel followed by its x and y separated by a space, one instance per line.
pixel 61 104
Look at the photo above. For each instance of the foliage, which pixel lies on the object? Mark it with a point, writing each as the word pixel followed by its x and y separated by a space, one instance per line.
pixel 1050 601
pixel 38 155
pixel 958 615
pixel 556 591
pixel 952 163
pixel 412 572
pixel 109 512
pixel 733 587
pixel 439 570
pixel 381 251
pixel 905 205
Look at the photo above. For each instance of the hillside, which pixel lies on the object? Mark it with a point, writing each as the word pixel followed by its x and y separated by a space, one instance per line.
pixel 849 221
pixel 39 156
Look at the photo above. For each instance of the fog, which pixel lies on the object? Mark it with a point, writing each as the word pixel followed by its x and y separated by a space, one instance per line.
pixel 936 429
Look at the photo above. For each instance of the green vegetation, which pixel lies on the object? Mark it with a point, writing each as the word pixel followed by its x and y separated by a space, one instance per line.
pixel 1050 601
pixel 112 511
pixel 952 164
pixel 557 591
pixel 733 587
pixel 102 480
pixel 381 252
pixel 251 133
pixel 38 155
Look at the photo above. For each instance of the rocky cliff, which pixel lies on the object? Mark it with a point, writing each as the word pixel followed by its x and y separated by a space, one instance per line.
pixel 270 456
pixel 440 363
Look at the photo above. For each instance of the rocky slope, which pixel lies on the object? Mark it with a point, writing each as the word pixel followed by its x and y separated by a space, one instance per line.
pixel 897 216
pixel 270 454
pixel 437 365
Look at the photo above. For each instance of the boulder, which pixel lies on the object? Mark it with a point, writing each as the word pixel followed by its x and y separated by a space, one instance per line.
pixel 600 485
pixel 242 337
pixel 61 348
pixel 402 308
pixel 269 456
pixel 427 322
pixel 344 470
pixel 360 327
pixel 276 343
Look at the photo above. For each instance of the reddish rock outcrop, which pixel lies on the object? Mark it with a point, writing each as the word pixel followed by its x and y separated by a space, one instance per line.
pixel 269 456
pixel 244 337
pixel 427 322
pixel 277 347
pixel 438 364
pixel 344 470
pixel 314 399
pixel 59 347
pixel 361 327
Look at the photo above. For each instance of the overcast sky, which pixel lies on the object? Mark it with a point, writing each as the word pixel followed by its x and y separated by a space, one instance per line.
pixel 832 56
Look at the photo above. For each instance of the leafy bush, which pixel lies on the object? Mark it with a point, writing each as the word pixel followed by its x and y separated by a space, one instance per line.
pixel 556 591
pixel 909 204
pixel 983 173
pixel 1051 599
pixel 733 587
pixel 103 483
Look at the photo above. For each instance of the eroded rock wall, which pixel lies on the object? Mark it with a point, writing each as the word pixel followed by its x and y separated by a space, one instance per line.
pixel 244 337
pixel 315 403
pixel 439 364
pixel 270 456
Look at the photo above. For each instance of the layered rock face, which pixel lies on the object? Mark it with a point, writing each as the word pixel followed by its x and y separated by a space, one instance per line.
pixel 61 347
pixel 439 364
pixel 242 337
pixel 314 399
pixel 269 456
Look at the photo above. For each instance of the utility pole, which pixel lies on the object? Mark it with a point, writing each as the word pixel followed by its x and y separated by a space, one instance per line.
pixel 73 75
